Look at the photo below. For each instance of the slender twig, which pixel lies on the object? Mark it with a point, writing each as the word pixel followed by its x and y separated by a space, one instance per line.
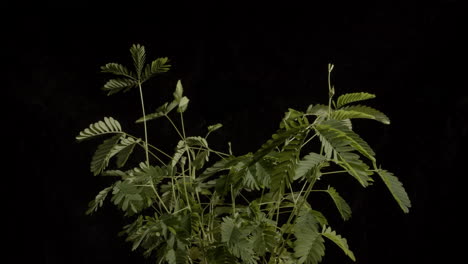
pixel 144 122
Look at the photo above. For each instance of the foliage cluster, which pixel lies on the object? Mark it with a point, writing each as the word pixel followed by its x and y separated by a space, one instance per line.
pixel 253 208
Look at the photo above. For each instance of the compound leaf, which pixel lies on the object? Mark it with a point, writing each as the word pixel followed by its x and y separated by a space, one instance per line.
pixel 309 247
pixel 360 111
pixel 396 188
pixel 160 65
pixel 118 69
pixel 103 154
pixel 341 204
pixel 308 162
pixel 353 97
pixel 139 58
pixel 339 241
pixel 98 201
pixel 116 85
pixel 108 126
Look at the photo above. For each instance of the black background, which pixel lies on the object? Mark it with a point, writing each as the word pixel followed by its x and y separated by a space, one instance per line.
pixel 244 69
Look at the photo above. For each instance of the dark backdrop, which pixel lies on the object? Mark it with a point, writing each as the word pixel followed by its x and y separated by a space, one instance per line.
pixel 244 70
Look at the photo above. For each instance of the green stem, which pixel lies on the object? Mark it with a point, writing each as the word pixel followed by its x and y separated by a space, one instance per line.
pixel 175 127
pixel 333 172
pixel 294 211
pixel 152 154
pixel 144 123
pixel 159 197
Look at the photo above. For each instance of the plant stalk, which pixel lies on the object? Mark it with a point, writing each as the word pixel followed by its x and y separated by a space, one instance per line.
pixel 144 123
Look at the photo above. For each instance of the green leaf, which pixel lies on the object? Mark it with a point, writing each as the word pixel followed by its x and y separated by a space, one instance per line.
pixel 98 201
pixel 396 188
pixel 237 242
pixel 318 110
pixel 200 159
pixel 183 104
pixel 158 66
pixel 308 162
pixel 116 85
pixel 322 220
pixel 118 69
pixel 341 204
pixel 339 241
pixel 339 135
pixel 103 154
pixel 124 149
pixel 127 196
pixel 163 110
pixel 285 169
pixel 180 149
pixel 214 127
pixel 108 126
pixel 179 91
pixel 353 97
pixel 360 111
pixel 355 167
pixel 309 246
pixel 115 173
pixel 139 58
pixel 276 140
pixel 258 176
pixel 264 238
pixel 293 119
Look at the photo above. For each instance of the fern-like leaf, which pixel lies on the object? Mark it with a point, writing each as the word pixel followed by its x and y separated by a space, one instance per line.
pixel 285 169
pixel 124 149
pixel 161 111
pixel 258 175
pixel 338 134
pixel 339 241
pixel 116 85
pixel 160 65
pixel 360 111
pixel 276 140
pixel 139 58
pixel 108 126
pixel 309 247
pixel 355 167
pixel 264 238
pixel 341 204
pixel 236 241
pixel 103 154
pixel 308 162
pixel 118 69
pixel 127 196
pixel 353 97
pixel 396 188
pixel 98 201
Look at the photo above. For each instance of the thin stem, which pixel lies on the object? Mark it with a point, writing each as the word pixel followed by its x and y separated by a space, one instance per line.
pixel 144 122
pixel 182 123
pixel 304 199
pixel 159 197
pixel 152 154
pixel 305 143
pixel 160 151
pixel 175 127
pixel 333 172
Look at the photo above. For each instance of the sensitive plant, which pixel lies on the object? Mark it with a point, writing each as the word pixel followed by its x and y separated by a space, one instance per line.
pixel 201 205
